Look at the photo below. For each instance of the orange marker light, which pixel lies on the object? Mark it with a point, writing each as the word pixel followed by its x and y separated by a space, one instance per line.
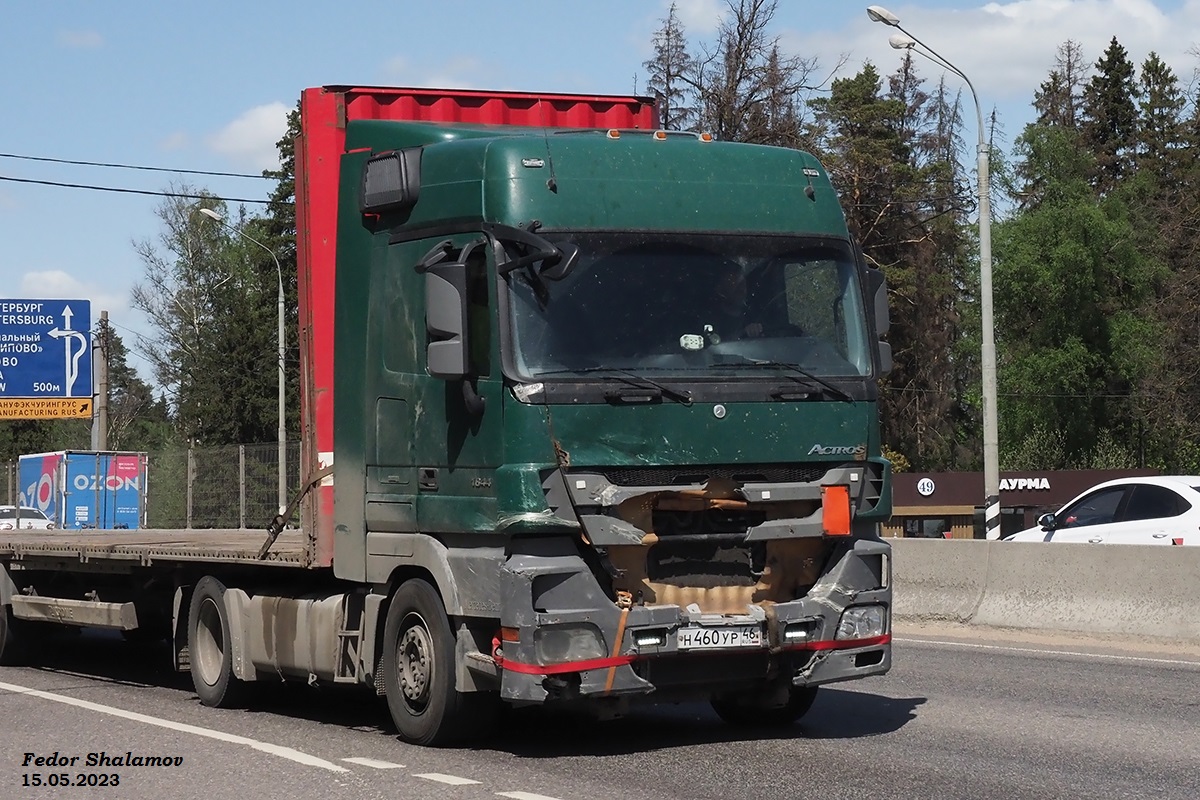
pixel 660 135
pixel 510 635
pixel 706 137
pixel 613 133
pixel 835 510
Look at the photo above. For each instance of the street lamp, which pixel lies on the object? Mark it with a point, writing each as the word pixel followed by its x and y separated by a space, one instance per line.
pixel 991 457
pixel 208 212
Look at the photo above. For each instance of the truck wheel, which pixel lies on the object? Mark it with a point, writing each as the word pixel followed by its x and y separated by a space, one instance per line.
pixel 749 710
pixel 10 646
pixel 418 673
pixel 210 650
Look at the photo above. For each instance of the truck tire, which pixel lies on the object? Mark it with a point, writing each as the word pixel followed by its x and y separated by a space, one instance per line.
pixel 10 645
pixel 749 710
pixel 210 651
pixel 418 673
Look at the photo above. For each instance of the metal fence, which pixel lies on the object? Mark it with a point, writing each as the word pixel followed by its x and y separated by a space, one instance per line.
pixel 235 486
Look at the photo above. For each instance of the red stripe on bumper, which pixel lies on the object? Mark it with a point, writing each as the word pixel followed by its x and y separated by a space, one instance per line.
pixel 619 661
pixel 842 644
pixel 558 669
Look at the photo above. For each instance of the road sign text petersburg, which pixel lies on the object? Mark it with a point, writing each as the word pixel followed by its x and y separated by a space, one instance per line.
pixel 45 359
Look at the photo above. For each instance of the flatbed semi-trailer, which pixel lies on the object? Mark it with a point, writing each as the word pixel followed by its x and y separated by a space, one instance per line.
pixel 153 547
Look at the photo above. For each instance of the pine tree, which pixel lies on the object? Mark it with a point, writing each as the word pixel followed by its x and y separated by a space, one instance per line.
pixel 1110 118
pixel 1059 97
pixel 666 73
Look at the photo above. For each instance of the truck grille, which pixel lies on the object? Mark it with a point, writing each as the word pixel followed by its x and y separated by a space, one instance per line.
pixel 742 473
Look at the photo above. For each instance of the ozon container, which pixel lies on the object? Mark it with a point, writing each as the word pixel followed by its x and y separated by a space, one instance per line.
pixel 83 489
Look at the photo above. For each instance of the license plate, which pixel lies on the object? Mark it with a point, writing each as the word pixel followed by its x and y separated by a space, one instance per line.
pixel 694 637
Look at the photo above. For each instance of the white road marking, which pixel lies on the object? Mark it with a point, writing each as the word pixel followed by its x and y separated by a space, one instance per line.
pixel 370 762
pixel 453 780
pixel 1039 651
pixel 271 749
pixel 524 796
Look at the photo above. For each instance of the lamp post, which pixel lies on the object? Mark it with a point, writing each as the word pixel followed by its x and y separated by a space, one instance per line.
pixel 991 438
pixel 208 212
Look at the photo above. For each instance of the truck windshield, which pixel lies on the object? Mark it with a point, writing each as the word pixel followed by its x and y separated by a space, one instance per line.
pixel 692 305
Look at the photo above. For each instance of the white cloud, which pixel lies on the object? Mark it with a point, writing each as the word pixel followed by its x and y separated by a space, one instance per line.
pixel 57 284
pixel 80 40
pixel 454 73
pixel 250 140
pixel 175 141
pixel 1008 48
pixel 396 68
pixel 700 18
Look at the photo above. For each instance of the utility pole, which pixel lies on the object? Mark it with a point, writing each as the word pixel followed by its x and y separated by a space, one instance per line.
pixel 100 423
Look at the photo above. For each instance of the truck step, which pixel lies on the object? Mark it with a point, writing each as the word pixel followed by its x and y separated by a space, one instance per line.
pixel 482 663
pixel 92 613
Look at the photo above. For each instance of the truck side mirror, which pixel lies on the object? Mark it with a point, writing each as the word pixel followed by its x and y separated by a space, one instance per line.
pixel 877 286
pixel 446 320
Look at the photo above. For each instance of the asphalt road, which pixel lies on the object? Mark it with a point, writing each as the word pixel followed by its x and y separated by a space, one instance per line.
pixel 963 714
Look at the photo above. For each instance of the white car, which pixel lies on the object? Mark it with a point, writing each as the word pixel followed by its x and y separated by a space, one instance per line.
pixel 1157 510
pixel 27 518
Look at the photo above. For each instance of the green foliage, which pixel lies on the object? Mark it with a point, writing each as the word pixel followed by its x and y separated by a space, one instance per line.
pixel 900 462
pixel 23 437
pixel 137 420
pixel 1044 447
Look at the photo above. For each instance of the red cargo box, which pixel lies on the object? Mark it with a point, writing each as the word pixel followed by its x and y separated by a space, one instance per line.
pixel 324 112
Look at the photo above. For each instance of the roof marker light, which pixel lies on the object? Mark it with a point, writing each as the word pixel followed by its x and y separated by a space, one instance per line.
pixel 706 137
pixel 613 133
pixel 660 135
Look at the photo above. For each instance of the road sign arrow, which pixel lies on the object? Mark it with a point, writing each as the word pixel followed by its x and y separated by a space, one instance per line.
pixel 67 315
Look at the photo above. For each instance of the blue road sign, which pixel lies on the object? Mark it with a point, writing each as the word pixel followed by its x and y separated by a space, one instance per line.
pixel 45 348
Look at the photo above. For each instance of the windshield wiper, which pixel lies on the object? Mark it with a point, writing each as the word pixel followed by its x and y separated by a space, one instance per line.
pixel 628 378
pixel 801 376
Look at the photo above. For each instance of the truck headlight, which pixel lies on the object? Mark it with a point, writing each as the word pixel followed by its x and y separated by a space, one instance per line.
pixel 862 622
pixel 563 643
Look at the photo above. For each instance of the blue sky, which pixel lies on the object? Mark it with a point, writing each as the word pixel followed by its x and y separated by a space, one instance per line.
pixel 206 86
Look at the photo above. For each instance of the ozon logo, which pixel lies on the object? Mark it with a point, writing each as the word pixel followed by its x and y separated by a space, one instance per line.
pixel 90 483
pixel 858 450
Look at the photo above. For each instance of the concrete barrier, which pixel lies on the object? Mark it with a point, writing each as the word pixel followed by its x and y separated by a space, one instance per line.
pixel 1084 588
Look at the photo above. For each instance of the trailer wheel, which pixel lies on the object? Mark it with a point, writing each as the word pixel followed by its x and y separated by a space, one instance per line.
pixel 745 710
pixel 418 673
pixel 210 650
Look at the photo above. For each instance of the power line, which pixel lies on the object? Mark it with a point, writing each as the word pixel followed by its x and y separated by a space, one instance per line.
pixel 134 166
pixel 135 191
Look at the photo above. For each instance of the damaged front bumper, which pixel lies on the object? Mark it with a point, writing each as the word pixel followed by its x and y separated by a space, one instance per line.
pixel 563 639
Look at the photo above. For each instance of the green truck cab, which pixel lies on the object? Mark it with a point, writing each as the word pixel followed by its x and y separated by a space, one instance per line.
pixel 611 395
